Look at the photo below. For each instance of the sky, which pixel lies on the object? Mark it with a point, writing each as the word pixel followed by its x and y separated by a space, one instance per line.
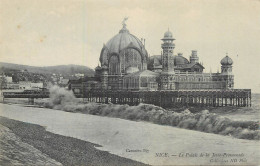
pixel 57 32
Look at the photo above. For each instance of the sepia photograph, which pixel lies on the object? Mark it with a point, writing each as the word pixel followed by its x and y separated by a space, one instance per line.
pixel 130 82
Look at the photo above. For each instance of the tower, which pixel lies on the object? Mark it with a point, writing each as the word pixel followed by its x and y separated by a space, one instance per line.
pixel 194 57
pixel 167 74
pixel 167 56
pixel 226 72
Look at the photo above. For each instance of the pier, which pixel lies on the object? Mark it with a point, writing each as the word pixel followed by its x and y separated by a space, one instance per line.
pixel 165 99
pixel 168 99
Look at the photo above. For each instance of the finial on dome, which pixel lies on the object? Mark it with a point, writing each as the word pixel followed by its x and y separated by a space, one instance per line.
pixel 123 30
pixel 123 22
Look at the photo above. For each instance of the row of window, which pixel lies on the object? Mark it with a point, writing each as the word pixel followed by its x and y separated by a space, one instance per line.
pixel 201 86
pixel 187 79
pixel 142 84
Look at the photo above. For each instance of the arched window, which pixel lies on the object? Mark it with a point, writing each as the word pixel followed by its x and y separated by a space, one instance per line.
pixel 114 65
pixel 104 60
pixel 144 82
pixel 131 58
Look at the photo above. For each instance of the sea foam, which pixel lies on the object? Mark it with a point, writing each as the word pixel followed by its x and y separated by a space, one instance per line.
pixel 204 121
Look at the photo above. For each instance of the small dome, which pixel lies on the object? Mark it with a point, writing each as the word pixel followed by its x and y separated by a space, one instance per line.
pixel 226 61
pixel 168 34
pixel 98 68
pixel 180 60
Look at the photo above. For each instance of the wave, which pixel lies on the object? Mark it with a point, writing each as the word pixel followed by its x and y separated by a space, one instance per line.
pixel 204 121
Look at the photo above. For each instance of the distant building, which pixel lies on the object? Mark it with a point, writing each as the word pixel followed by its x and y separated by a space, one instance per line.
pixel 30 85
pixel 4 81
pixel 9 79
pixel 37 85
pixel 79 75
pixel 12 85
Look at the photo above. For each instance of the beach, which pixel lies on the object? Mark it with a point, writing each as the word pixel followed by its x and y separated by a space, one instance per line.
pixel 30 144
pixel 140 141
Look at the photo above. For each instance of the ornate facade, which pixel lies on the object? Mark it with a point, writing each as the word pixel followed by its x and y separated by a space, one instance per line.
pixel 125 65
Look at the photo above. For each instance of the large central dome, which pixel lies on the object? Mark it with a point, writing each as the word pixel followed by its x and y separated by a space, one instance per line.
pixel 123 51
pixel 122 40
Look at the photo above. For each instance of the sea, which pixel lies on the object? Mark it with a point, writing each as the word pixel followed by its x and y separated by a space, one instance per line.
pixel 242 113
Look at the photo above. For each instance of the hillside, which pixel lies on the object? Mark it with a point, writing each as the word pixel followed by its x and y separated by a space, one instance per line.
pixel 60 69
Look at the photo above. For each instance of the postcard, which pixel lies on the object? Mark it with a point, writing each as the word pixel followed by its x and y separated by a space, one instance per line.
pixel 129 82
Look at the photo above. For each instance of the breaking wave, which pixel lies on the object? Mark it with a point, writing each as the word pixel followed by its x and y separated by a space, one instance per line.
pixel 204 121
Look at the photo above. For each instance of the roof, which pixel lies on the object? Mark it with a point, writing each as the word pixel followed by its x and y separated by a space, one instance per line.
pixel 155 60
pixel 190 65
pixel 226 61
pixel 167 72
pixel 85 79
pixel 168 36
pixel 122 40
pixel 144 73
pixel 180 60
pixel 98 68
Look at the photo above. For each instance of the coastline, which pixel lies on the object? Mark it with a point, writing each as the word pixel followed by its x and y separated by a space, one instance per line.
pixel 242 127
pixel 66 150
